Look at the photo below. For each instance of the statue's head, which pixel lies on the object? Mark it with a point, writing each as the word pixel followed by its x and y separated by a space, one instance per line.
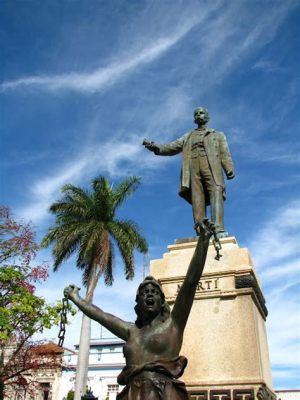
pixel 150 298
pixel 201 115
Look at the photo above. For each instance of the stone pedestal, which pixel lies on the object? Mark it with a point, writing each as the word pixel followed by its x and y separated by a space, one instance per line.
pixel 225 338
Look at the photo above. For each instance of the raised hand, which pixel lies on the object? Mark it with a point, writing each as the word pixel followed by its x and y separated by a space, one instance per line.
pixel 71 292
pixel 205 228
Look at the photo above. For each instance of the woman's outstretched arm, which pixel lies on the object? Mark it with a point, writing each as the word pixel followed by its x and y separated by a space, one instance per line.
pixel 185 297
pixel 114 324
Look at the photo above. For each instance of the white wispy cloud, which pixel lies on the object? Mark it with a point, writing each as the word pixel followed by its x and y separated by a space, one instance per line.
pixel 281 270
pixel 214 35
pixel 115 158
pixel 267 151
pixel 292 157
pixel 260 187
pixel 276 252
pixel 44 190
pixel 234 25
pixel 283 331
pixel 279 237
pixel 102 78
pixel 267 65
pixel 174 104
pixel 23 160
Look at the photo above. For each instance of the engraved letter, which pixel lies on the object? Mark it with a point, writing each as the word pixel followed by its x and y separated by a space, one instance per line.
pixel 220 395
pixel 208 284
pixel 243 394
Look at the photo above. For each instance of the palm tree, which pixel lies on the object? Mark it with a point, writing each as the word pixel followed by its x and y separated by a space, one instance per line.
pixel 86 224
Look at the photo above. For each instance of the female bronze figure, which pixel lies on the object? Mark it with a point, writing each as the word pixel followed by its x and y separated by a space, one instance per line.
pixel 153 342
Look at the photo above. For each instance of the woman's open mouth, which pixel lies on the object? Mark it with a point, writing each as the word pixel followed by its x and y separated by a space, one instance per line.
pixel 149 302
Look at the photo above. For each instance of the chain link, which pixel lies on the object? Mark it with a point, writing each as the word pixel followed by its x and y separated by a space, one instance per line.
pixel 63 321
pixel 217 246
pixel 216 241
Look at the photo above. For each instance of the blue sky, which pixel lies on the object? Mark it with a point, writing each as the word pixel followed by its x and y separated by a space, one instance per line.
pixel 83 82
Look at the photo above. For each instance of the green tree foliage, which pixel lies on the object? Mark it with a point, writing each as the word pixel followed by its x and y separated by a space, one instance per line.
pixel 22 313
pixel 86 224
pixel 70 395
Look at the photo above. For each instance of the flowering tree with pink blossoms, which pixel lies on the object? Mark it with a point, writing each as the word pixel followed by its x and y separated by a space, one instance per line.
pixel 22 313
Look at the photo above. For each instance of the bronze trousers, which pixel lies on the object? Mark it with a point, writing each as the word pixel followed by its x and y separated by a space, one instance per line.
pixel 203 184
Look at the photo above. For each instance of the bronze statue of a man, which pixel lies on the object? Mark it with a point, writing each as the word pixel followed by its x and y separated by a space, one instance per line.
pixel 153 342
pixel 205 153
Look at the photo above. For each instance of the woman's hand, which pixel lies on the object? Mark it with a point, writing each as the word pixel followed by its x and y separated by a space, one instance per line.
pixel 205 228
pixel 72 292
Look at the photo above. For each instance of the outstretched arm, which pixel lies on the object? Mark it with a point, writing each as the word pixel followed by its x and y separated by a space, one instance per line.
pixel 185 297
pixel 114 324
pixel 169 149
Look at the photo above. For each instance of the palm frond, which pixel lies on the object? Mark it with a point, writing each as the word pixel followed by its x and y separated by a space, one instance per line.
pixel 102 185
pixel 75 192
pixel 84 221
pixel 76 202
pixel 125 189
pixel 129 230
pixel 60 232
pixel 86 275
pixel 65 247
pixel 63 253
pixel 103 199
pixel 50 237
pixel 67 209
pixel 108 272
pixel 89 244
pixel 127 240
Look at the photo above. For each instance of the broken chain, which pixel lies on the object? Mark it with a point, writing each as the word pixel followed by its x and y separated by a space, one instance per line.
pixel 217 246
pixel 215 240
pixel 63 321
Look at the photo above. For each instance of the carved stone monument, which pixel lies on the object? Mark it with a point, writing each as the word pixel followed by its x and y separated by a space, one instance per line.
pixel 225 338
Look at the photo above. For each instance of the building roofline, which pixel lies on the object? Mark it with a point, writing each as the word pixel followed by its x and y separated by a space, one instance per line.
pixel 71 351
pixel 102 343
pixel 100 366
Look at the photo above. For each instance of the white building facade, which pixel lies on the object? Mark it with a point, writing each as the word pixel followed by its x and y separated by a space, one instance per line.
pixel 292 394
pixel 106 361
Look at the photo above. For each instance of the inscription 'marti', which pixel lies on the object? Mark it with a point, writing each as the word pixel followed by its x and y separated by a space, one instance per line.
pixel 205 285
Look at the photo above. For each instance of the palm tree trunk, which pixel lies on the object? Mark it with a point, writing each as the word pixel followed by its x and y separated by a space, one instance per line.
pixel 84 342
pixel 83 358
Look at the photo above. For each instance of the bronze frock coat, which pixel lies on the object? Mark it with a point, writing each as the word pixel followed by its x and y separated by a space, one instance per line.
pixel 217 153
